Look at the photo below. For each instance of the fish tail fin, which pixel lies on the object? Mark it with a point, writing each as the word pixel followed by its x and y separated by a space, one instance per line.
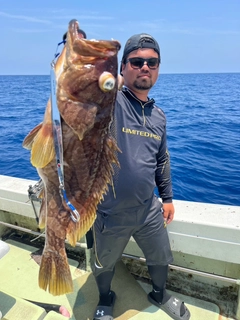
pixel 54 274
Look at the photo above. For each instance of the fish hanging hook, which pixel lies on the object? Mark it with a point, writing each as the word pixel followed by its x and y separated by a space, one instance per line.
pixel 57 134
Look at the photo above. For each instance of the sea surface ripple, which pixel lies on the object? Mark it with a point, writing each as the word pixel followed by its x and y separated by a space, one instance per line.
pixel 203 126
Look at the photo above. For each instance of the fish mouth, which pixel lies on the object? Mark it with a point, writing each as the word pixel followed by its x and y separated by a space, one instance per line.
pixel 86 47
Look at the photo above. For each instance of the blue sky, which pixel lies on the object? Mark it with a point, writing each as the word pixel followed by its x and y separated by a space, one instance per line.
pixel 194 36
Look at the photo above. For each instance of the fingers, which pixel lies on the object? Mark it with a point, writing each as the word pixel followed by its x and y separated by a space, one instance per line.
pixel 168 212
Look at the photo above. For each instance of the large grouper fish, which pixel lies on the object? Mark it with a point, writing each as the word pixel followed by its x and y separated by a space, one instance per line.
pixel 86 88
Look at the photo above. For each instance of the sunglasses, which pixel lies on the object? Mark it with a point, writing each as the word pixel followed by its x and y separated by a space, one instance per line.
pixel 137 63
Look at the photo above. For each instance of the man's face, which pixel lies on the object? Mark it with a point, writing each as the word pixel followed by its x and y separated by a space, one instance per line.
pixel 140 78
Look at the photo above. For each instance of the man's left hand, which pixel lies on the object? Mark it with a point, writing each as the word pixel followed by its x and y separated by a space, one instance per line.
pixel 168 212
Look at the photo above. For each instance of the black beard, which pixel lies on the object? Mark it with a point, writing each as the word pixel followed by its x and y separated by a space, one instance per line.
pixel 143 85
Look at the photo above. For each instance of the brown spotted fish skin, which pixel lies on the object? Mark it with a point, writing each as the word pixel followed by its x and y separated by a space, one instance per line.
pixel 86 75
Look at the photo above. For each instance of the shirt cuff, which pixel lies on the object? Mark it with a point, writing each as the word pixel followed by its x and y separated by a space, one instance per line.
pixel 167 200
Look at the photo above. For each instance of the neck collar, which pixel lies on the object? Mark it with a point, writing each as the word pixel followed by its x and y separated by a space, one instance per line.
pixel 128 92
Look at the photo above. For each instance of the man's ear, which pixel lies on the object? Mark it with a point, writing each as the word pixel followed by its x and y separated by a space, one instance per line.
pixel 122 68
pixel 120 81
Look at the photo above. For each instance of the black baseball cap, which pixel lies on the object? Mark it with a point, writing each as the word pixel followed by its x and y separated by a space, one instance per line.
pixel 79 31
pixel 137 41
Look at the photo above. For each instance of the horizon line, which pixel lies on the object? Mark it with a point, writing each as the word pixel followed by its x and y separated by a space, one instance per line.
pixel 166 73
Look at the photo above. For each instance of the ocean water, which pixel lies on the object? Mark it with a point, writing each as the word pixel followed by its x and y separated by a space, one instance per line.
pixel 203 125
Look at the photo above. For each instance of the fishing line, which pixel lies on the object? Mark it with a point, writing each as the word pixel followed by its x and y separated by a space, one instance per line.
pixel 58 53
pixel 57 134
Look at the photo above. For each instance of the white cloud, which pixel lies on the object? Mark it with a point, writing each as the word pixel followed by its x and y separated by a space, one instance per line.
pixel 30 30
pixel 84 17
pixel 25 18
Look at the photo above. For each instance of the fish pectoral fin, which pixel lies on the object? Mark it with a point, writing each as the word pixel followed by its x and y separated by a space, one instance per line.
pixel 43 151
pixel 81 117
pixel 28 141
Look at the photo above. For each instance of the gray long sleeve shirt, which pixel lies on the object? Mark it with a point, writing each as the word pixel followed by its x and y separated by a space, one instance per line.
pixel 140 130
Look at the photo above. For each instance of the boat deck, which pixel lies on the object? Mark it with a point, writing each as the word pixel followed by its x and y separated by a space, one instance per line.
pixel 18 283
pixel 204 239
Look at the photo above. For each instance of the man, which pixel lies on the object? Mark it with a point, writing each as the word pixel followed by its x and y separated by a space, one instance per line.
pixel 130 208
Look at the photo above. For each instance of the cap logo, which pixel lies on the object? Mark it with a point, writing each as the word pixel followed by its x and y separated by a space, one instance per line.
pixel 146 39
